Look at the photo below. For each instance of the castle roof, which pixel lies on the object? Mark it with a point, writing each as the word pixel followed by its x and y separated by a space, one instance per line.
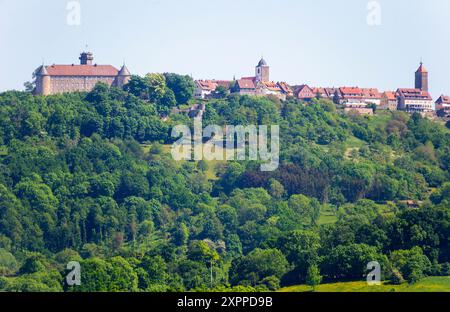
pixel 124 71
pixel 82 70
pixel 42 71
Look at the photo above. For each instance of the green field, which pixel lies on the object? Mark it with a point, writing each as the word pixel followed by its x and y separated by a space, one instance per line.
pixel 429 284
pixel 211 172
pixel 327 216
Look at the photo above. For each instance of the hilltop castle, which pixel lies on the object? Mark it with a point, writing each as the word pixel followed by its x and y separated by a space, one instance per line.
pixel 56 79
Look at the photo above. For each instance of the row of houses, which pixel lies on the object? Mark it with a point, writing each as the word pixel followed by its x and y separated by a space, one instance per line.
pixel 416 99
pixel 258 85
pixel 403 99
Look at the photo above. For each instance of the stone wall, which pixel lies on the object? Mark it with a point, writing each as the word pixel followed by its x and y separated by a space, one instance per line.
pixel 62 84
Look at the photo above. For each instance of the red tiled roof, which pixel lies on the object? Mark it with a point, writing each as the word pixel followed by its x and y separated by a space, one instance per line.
pixel 82 70
pixel 304 92
pixel 245 84
pixel 318 90
pixel 443 99
pixel 352 92
pixel 371 93
pixel 211 85
pixel 414 94
pixel 223 83
pixel 285 87
pixel 390 95
pixel 271 86
pixel 332 91
pixel 207 84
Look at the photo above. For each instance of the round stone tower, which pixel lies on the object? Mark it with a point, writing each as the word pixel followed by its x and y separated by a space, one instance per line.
pixel 123 76
pixel 43 83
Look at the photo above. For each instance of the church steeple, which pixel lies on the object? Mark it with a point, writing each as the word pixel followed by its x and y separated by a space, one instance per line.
pixel 262 71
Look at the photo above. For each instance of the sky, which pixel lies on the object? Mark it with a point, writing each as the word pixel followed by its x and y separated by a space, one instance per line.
pixel 318 42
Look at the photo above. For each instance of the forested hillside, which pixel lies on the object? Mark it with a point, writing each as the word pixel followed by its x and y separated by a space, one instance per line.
pixel 87 177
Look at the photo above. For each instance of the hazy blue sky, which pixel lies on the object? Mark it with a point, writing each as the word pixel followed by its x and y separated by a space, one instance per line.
pixel 320 42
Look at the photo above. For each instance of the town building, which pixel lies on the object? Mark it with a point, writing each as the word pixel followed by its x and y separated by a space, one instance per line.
pixel 285 89
pixel 417 99
pixel 260 84
pixel 356 95
pixel 443 104
pixel 320 92
pixel 304 93
pixel 371 96
pixel 389 101
pixel 269 88
pixel 55 79
pixel 205 89
pixel 245 86
pixel 334 94
pixel 351 95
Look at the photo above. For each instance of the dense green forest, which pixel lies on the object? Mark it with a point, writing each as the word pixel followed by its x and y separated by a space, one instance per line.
pixel 87 177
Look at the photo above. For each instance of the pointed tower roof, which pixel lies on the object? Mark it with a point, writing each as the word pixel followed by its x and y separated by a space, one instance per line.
pixel 262 62
pixel 42 71
pixel 124 71
pixel 421 69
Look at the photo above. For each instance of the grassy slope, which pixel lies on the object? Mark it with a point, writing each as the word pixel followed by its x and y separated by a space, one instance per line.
pixel 211 173
pixel 429 284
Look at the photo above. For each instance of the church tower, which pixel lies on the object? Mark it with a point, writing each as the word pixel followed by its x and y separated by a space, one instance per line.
pixel 422 78
pixel 262 71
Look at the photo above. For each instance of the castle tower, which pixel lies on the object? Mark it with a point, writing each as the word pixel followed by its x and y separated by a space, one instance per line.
pixel 86 58
pixel 262 71
pixel 123 77
pixel 422 78
pixel 43 84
